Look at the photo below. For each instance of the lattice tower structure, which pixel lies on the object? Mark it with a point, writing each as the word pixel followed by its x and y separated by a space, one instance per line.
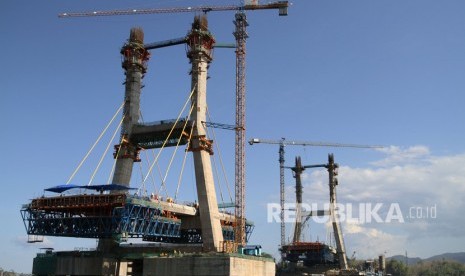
pixel 281 191
pixel 241 35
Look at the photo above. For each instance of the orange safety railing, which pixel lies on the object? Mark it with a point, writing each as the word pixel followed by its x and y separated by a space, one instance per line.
pixel 78 201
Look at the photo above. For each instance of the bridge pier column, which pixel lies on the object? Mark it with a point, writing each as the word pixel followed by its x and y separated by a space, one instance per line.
pixel 200 43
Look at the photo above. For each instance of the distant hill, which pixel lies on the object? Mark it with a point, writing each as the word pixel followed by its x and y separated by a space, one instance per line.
pixel 458 257
pixel 401 258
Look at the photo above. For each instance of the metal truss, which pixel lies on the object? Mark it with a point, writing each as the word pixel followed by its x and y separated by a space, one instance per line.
pixel 130 221
pixel 116 216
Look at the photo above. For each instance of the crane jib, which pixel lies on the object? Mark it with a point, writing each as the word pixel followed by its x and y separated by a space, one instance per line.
pixel 282 6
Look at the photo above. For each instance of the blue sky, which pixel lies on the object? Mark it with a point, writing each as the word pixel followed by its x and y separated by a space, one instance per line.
pixel 358 71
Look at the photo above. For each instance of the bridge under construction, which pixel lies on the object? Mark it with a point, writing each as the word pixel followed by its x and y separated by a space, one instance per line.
pixel 212 242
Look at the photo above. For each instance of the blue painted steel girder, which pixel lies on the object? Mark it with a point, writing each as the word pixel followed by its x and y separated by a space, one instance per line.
pixel 131 220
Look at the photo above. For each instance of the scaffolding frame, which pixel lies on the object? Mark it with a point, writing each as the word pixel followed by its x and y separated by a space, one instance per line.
pixel 118 216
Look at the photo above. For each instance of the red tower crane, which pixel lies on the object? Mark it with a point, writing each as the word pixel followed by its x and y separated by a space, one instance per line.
pixel 240 34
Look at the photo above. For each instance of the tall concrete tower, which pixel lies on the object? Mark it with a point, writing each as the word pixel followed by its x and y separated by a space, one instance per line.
pixel 333 182
pixel 135 57
pixel 298 169
pixel 134 62
pixel 200 43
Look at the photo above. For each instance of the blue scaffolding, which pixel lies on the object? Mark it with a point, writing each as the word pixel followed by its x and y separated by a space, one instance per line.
pixel 116 216
pixel 97 216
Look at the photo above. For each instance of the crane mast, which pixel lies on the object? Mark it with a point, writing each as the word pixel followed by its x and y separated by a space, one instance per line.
pixel 241 36
pixel 281 190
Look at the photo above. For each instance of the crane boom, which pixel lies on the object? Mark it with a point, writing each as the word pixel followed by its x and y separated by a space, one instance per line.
pixel 311 143
pixel 280 5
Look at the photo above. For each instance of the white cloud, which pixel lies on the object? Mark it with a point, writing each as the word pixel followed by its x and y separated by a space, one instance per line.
pixel 369 242
pixel 396 155
pixel 413 178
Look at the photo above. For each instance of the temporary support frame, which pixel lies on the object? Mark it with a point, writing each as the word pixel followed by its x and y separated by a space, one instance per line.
pixel 97 216
pixel 117 216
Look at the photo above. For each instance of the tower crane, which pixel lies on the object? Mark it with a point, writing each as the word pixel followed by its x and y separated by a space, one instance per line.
pixel 280 5
pixel 241 35
pixel 282 143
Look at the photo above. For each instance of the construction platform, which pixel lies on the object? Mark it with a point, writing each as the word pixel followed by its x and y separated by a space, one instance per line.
pixel 120 216
pixel 133 262
pixel 310 254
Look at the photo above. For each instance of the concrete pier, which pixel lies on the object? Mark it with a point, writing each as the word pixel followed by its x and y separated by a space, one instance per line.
pixel 224 264
pixel 126 153
pixel 137 264
pixel 200 43
pixel 134 62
